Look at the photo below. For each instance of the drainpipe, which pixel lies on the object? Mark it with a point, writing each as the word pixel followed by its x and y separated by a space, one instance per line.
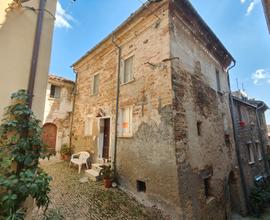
pixel 236 140
pixel 261 138
pixel 117 100
pixel 73 108
pixel 34 61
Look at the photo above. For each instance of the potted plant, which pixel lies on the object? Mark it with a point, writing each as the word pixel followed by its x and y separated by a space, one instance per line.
pixel 65 152
pixel 107 174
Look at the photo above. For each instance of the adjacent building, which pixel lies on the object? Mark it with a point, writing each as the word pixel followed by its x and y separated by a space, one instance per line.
pixel 57 115
pixel 20 56
pixel 251 139
pixel 153 98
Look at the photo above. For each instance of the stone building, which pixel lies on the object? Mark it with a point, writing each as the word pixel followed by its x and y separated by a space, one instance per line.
pixel 153 97
pixel 251 139
pixel 25 60
pixel 58 108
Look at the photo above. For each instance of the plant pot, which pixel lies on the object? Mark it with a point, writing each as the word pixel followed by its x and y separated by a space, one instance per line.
pixel 107 183
pixel 66 157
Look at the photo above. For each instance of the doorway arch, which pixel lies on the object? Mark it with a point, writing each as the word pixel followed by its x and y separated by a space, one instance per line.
pixel 49 135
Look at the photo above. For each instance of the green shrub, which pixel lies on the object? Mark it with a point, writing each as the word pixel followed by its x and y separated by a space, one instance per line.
pixel 20 150
pixel 259 197
pixel 66 150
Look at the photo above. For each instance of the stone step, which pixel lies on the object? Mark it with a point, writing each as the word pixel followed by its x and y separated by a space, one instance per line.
pixel 92 174
pixel 96 166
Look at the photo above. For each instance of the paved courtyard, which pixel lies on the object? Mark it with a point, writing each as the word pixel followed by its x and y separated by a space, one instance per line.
pixel 75 200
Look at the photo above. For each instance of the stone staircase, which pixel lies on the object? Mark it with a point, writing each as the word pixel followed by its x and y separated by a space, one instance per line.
pixel 93 173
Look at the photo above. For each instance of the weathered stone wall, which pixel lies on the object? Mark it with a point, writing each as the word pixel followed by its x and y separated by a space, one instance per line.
pixel 148 155
pixel 58 110
pixel 249 134
pixel 196 100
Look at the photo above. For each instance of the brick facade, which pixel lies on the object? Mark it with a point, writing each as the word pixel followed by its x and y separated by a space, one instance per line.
pixel 181 146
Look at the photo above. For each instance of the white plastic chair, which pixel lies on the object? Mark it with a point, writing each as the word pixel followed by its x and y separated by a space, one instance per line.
pixel 80 159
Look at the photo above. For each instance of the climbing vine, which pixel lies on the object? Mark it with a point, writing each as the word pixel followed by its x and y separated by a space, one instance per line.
pixel 21 148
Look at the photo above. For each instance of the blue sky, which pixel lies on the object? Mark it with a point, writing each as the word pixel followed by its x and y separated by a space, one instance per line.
pixel 239 24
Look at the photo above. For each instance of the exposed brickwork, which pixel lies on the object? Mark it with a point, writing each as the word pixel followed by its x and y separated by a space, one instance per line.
pixel 174 88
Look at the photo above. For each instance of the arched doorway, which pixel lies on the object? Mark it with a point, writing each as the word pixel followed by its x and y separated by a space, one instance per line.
pixel 49 133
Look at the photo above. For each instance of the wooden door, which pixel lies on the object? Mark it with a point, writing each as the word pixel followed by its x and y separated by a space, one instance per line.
pixel 49 133
pixel 106 142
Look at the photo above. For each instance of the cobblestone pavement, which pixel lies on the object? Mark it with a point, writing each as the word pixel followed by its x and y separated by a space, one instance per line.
pixel 81 201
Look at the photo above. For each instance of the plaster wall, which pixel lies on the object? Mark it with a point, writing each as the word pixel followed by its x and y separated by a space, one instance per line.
pixel 17 32
pixel 58 110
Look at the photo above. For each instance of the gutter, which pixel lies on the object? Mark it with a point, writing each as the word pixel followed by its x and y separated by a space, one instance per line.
pixel 117 100
pixel 35 54
pixel 73 109
pixel 236 140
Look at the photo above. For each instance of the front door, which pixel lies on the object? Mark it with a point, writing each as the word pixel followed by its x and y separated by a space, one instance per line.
pixel 106 142
pixel 49 132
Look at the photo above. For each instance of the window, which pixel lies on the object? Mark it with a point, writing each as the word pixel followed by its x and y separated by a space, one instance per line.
pixel 125 122
pixel 218 81
pixel 199 128
pixel 206 182
pixel 55 92
pixel 95 87
pixel 141 186
pixel 127 71
pixel 258 150
pixel 88 126
pixel 250 153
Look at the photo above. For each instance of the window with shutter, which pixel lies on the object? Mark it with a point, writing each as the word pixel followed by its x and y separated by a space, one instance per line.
pixel 258 150
pixel 127 70
pixel 95 84
pixel 125 122
pixel 88 126
pixel 251 154
pixel 55 92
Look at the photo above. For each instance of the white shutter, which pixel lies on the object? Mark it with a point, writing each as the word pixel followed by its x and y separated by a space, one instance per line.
pixel 119 123
pixel 122 69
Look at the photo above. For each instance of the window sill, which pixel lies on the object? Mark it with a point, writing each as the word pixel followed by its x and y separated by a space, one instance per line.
pixel 260 159
pixel 131 81
pixel 220 92
pixel 125 137
pixel 54 99
pixel 251 163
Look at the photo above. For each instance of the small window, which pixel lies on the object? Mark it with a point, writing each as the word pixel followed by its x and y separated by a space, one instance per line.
pixel 250 153
pixel 207 187
pixel 55 92
pixel 218 81
pixel 141 186
pixel 258 150
pixel 95 84
pixel 88 126
pixel 128 70
pixel 199 128
pixel 125 122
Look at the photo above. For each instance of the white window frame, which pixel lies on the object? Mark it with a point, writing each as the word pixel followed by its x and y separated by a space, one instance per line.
pixel 258 150
pixel 121 133
pixel 218 81
pixel 123 68
pixel 251 157
pixel 93 84
pixel 88 125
